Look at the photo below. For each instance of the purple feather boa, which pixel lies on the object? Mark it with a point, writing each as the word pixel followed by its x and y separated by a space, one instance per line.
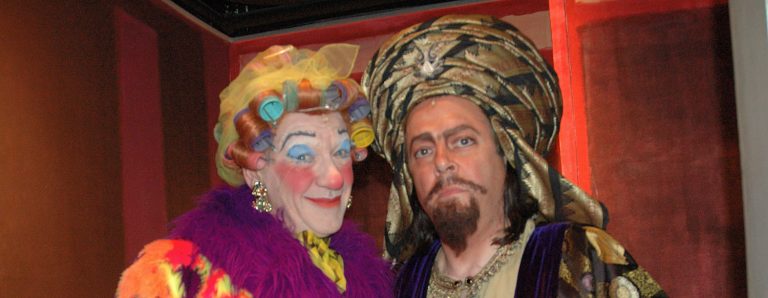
pixel 263 257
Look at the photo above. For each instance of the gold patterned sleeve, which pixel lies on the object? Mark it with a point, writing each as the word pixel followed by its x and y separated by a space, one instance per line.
pixel 593 264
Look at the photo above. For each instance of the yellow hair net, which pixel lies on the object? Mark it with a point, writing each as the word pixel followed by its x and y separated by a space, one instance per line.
pixel 267 71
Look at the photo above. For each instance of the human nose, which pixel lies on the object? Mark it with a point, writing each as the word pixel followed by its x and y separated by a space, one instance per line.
pixel 329 176
pixel 443 161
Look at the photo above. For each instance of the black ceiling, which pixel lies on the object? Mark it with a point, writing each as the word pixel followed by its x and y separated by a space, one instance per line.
pixel 244 17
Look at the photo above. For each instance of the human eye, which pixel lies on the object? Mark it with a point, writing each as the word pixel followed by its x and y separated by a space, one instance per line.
pixel 462 142
pixel 344 149
pixel 422 152
pixel 301 153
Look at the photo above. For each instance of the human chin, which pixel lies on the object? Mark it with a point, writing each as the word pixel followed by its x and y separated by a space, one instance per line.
pixel 455 223
pixel 323 215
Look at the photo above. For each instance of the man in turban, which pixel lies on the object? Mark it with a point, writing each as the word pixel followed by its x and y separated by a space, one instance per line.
pixel 465 109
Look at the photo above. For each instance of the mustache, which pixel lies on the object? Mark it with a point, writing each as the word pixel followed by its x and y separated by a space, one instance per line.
pixel 455 180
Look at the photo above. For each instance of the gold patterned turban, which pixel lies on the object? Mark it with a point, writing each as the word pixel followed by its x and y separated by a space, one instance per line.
pixel 492 64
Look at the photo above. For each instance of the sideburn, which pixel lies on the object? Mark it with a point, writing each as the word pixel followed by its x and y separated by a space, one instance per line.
pixel 455 223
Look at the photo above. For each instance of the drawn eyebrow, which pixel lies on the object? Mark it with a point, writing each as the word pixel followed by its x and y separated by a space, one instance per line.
pixel 448 133
pixel 296 133
pixel 342 131
pixel 427 137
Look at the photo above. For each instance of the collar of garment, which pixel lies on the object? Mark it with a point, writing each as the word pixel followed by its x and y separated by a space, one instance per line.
pixel 325 258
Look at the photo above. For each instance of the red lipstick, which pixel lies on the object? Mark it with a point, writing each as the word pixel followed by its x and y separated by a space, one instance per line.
pixel 326 203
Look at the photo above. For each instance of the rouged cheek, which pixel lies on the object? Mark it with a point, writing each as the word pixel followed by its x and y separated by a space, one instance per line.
pixel 296 179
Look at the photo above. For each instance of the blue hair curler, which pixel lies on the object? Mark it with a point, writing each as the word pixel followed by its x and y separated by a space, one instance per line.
pixel 359 109
pixel 263 141
pixel 269 106
pixel 334 96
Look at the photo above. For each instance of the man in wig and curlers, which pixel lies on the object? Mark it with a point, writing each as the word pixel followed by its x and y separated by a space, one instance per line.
pixel 290 127
pixel 465 109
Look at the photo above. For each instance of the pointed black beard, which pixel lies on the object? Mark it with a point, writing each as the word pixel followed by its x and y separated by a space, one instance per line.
pixel 454 223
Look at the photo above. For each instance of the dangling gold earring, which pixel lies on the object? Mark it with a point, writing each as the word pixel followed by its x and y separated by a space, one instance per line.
pixel 260 202
pixel 349 202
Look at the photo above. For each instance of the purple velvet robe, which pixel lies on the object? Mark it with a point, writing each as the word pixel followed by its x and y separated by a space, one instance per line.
pixel 549 247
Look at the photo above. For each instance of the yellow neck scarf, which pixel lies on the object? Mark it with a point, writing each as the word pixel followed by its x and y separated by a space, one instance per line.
pixel 325 258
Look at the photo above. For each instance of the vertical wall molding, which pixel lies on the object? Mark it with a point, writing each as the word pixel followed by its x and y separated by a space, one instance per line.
pixel 141 134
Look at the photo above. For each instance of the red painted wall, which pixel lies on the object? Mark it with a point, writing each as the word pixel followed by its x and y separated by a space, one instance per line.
pixel 171 75
pixel 71 150
pixel 676 206
pixel 141 134
pixel 60 212
pixel 653 125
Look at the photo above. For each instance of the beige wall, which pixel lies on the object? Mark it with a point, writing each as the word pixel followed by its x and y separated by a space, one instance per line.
pixel 749 34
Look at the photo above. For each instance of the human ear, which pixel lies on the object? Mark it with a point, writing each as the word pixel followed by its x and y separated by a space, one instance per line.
pixel 255 162
pixel 250 177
